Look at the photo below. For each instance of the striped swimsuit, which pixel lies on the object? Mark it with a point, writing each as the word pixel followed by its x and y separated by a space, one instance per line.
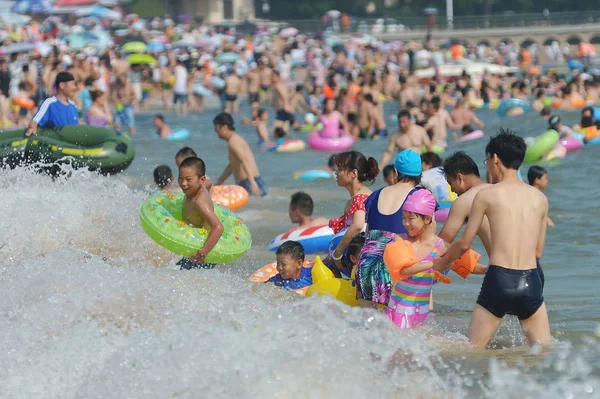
pixel 409 301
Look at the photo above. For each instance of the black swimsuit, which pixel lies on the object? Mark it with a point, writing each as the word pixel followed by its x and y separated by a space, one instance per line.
pixel 508 291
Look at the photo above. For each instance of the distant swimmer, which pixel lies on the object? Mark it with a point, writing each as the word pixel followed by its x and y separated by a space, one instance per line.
pixel 517 215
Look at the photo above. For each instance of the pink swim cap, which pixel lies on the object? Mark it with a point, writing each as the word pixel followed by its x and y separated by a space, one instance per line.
pixel 421 202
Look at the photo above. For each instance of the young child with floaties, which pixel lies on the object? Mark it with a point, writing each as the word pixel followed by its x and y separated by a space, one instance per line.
pixel 538 178
pixel 408 306
pixel 292 274
pixel 198 211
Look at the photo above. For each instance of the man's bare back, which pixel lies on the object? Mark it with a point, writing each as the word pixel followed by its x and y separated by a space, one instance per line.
pixel 241 157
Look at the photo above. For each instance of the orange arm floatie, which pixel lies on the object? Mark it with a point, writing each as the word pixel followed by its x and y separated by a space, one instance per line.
pixel 397 256
pixel 465 265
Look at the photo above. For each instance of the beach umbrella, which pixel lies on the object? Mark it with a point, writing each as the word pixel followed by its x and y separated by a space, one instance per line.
pixel 134 47
pixel 288 32
pixel 227 57
pixel 155 47
pixel 31 7
pixel 141 59
pixel 99 12
pixel 15 48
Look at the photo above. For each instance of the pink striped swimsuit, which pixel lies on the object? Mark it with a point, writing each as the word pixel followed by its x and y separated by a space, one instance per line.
pixel 409 301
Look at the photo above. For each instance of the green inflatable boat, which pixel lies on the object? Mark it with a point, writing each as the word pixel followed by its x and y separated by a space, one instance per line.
pixel 82 146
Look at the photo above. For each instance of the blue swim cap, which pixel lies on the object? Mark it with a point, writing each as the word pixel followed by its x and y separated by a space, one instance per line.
pixel 408 163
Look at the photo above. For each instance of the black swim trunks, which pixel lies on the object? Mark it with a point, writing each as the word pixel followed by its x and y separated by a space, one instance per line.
pixel 189 264
pixel 284 116
pixel 507 291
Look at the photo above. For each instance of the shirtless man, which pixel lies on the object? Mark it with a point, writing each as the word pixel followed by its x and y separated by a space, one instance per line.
pixel 233 87
pixel 462 115
pixel 462 174
pixel 365 124
pixel 123 96
pixel 284 116
pixel 439 122
pixel 119 65
pixel 253 84
pixel 301 211
pixel 517 215
pixel 264 74
pixel 198 211
pixel 241 159
pixel 410 137
pixel 378 127
pixel 298 103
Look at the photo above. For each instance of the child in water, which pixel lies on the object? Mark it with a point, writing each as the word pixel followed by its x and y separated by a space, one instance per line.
pixel 198 211
pixel 301 211
pixel 290 265
pixel 409 300
pixel 162 129
pixel 538 178
pixel 280 139
pixel 353 252
pixel 187 152
pixel 163 178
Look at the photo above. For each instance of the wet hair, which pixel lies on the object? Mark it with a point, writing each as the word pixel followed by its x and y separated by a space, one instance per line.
pixel 436 102
pixel 388 170
pixel 260 112
pixel 546 111
pixel 369 97
pixel 535 172
pixel 431 158
pixel 23 86
pixel 292 248
pixel 160 117
pixel 89 81
pixel 163 176
pixel 196 163
pixel 509 148
pixel 587 121
pixel 279 133
pixel 460 162
pixel 404 113
pixel 368 169
pixel 96 94
pixel 224 119
pixel 185 152
pixel 299 88
pixel 466 129
pixel 302 202
pixel 331 161
pixel 355 246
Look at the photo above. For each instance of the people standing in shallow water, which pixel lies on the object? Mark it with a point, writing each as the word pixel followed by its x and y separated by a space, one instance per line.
pixel 517 215
pixel 353 171
pixel 383 212
pixel 198 210
pixel 241 159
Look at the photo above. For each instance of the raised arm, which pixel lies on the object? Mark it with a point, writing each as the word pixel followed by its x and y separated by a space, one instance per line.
pixel 464 243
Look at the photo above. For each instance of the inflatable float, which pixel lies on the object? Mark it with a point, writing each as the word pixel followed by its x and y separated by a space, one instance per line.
pixel 161 218
pixel 311 175
pixel 342 143
pixel 230 196
pixel 511 103
pixel 324 282
pixel 82 146
pixel 313 239
pixel 542 144
pixel 178 134
pixel 441 215
pixel 201 90
pixel 572 143
pixel 291 145
pixel 477 134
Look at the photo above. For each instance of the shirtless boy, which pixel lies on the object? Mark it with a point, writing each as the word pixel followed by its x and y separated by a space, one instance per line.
pixel 187 152
pixel 439 122
pixel 517 216
pixel 410 137
pixel 462 115
pixel 233 87
pixel 241 159
pixel 198 210
pixel 301 210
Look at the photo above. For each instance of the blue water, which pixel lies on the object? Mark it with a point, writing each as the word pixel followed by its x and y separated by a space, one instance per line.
pixel 93 308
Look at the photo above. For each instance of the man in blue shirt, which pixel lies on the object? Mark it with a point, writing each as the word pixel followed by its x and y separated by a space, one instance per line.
pixel 58 110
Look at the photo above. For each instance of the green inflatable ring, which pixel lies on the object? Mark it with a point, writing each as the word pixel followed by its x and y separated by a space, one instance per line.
pixel 438 149
pixel 162 220
pixel 543 143
pixel 308 128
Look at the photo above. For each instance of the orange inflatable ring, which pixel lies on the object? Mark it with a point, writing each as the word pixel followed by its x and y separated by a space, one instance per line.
pixel 230 196
pixel 465 265
pixel 24 102
pixel 578 102
pixel 270 270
